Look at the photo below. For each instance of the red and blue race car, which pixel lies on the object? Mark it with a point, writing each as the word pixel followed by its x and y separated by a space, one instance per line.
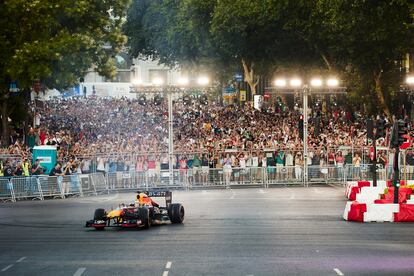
pixel 141 214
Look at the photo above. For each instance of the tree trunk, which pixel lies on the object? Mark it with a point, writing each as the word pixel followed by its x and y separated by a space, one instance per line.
pixel 327 63
pixel 380 95
pixel 4 124
pixel 249 76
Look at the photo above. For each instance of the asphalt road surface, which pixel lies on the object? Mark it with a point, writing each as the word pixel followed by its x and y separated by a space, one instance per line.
pixel 278 231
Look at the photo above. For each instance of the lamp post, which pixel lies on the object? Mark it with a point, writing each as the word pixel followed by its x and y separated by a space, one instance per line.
pixel 315 86
pixel 157 86
pixel 409 88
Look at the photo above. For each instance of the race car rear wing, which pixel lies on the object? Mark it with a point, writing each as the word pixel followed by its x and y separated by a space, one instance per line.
pixel 160 193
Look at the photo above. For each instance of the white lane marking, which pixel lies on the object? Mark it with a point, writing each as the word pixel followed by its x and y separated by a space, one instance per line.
pixel 168 265
pixel 261 191
pixel 6 268
pixel 80 271
pixel 338 272
pixel 233 194
pixel 165 273
pixel 20 260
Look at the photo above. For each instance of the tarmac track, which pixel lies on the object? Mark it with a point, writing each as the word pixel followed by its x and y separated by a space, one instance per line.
pixel 277 231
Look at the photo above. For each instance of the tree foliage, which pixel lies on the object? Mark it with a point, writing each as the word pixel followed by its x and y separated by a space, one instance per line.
pixel 365 41
pixel 361 41
pixel 57 41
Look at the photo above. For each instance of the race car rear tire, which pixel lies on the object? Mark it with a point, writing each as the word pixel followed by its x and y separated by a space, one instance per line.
pixel 144 215
pixel 176 213
pixel 100 214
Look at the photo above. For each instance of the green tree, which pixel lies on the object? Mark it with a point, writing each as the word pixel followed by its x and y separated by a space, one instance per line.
pixel 174 32
pixel 56 41
pixel 217 34
pixel 366 40
pixel 361 41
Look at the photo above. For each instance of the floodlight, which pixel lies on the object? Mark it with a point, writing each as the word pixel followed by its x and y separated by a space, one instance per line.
pixel 183 81
pixel 157 81
pixel 137 82
pixel 280 82
pixel 316 82
pixel 410 80
pixel 203 81
pixel 332 82
pixel 295 82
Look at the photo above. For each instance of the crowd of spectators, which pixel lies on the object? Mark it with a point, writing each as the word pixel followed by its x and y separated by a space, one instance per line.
pixel 109 134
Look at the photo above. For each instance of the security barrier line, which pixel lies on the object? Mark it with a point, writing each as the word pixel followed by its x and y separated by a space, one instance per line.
pixel 41 187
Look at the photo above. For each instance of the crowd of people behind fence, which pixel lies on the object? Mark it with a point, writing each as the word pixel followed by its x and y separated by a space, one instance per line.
pixel 109 134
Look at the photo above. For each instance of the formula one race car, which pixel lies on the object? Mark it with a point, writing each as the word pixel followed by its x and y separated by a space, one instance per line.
pixel 141 214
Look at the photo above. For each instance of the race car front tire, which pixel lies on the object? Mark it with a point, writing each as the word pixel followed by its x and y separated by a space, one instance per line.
pixel 100 214
pixel 144 215
pixel 176 213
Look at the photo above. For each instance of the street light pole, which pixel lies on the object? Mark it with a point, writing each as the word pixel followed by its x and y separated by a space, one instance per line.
pixel 170 139
pixel 293 86
pixel 156 88
pixel 306 91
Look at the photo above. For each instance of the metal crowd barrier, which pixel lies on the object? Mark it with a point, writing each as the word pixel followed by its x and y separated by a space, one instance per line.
pixel 42 187
pixel 26 188
pixel 6 190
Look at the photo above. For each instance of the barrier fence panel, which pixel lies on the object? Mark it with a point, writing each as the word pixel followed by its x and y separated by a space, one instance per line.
pixel 86 184
pixel 276 175
pixel 140 179
pixel 6 190
pixel 186 178
pixel 71 185
pixel 99 181
pixel 26 187
pixel 207 177
pixel 51 186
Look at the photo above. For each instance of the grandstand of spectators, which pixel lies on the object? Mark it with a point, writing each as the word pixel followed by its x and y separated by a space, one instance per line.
pixel 96 130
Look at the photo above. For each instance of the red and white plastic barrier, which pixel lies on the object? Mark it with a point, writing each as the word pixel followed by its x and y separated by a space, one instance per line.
pixel 354 187
pixel 381 212
pixel 406 213
pixel 372 204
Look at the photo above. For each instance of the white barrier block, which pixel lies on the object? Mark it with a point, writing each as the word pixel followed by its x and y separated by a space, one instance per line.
pixel 382 184
pixel 410 201
pixel 378 217
pixel 381 212
pixel 369 194
pixel 387 207
pixel 347 209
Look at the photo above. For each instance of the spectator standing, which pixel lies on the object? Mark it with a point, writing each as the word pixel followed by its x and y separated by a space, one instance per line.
pixel 37 169
pixel 356 163
pixel 289 164
pixel 340 164
pixel 298 166
pixel 279 163
pixel 56 171
pixel 26 167
pixel 410 163
pixel 204 168
pixel 1 168
pixel 8 170
pixel 19 170
pixel 196 167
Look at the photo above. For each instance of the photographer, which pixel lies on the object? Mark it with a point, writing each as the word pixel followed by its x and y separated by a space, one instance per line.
pixel 70 167
pixel 36 168
pixel 57 170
